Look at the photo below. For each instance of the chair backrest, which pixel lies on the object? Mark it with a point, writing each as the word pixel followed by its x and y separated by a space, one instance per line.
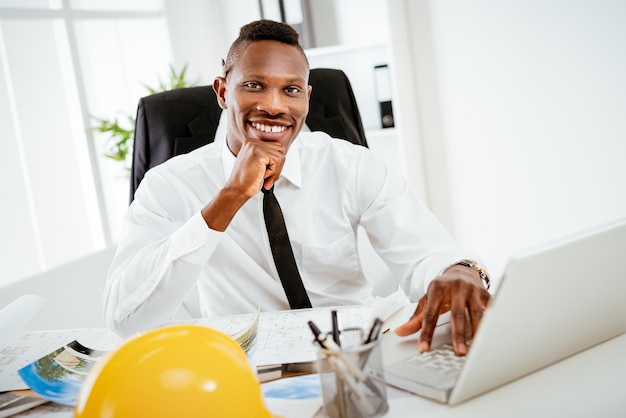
pixel 178 121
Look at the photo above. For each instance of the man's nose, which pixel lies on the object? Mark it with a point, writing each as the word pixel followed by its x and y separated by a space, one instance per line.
pixel 272 102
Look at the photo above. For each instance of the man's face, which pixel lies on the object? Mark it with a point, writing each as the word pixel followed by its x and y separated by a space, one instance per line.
pixel 266 94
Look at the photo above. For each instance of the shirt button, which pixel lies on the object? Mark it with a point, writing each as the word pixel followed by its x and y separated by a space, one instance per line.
pixel 195 242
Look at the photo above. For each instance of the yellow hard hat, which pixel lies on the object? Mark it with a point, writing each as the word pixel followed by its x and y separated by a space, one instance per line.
pixel 174 371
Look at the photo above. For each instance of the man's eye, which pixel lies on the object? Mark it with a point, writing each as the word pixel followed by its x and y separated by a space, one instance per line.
pixel 252 85
pixel 292 90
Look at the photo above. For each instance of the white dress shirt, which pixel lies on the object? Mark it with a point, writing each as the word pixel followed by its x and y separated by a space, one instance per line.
pixel 328 187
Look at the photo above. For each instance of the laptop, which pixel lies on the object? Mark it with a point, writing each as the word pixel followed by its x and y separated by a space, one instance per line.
pixel 553 301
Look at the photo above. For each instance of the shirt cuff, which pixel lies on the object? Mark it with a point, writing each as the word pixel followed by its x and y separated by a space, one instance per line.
pixel 431 268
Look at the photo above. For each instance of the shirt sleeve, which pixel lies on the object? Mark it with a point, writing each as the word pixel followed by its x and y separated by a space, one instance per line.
pixel 401 229
pixel 157 264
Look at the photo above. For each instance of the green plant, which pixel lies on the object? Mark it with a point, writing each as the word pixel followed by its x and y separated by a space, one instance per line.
pixel 119 139
pixel 121 132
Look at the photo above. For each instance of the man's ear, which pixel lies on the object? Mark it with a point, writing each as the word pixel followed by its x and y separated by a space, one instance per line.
pixel 219 86
pixel 309 90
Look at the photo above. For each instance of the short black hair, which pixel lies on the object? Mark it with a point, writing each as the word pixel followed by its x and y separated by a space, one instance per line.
pixel 262 30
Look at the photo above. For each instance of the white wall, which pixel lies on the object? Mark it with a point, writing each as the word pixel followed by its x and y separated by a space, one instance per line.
pixel 201 32
pixel 520 115
pixel 361 21
pixel 197 37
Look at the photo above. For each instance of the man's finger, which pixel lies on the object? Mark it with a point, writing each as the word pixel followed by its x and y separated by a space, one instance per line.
pixel 458 320
pixel 476 308
pixel 429 322
pixel 410 327
pixel 268 182
pixel 415 322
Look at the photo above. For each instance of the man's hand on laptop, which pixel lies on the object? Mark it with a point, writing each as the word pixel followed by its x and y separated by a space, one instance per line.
pixel 460 290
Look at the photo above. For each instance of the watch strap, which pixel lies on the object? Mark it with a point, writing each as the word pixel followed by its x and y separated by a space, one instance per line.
pixel 482 272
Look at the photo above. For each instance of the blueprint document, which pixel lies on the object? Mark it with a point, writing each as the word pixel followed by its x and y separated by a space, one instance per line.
pixel 284 337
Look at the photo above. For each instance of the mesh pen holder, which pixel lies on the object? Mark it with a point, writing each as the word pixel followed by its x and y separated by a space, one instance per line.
pixel 352 381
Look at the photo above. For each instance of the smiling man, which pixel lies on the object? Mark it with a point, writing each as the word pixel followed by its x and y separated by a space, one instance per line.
pixel 266 94
pixel 196 225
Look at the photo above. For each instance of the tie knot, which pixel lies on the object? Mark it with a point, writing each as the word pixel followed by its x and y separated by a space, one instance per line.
pixel 267 191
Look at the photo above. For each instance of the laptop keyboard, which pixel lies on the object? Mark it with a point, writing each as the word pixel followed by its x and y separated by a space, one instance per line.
pixel 432 374
pixel 441 360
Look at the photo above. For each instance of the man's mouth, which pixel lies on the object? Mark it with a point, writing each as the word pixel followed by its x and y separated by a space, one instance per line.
pixel 268 128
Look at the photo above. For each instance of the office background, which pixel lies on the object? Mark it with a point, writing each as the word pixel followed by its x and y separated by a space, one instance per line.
pixel 509 115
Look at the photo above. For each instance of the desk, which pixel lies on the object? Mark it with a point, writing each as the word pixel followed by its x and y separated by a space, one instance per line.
pixel 589 384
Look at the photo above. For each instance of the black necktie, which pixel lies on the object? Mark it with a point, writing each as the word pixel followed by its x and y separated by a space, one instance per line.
pixel 282 252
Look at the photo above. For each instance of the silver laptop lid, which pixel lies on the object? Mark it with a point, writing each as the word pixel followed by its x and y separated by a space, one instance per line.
pixel 553 301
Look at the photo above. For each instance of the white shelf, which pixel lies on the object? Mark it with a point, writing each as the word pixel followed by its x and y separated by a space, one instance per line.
pixel 358 62
pixel 382 133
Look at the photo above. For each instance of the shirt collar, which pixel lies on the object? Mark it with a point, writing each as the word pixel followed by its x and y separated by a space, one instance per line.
pixel 292 170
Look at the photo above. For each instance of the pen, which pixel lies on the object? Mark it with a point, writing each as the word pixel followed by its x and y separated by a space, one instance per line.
pixel 322 340
pixel 374 331
pixel 335 325
pixel 336 350
pixel 340 397
pixel 317 334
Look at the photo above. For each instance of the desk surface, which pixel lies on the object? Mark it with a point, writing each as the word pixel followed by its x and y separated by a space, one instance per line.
pixel 589 384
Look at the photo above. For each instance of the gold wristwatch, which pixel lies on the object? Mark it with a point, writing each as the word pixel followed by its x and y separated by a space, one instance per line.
pixel 482 272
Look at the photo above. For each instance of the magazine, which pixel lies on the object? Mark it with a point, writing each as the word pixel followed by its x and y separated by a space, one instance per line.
pixel 59 375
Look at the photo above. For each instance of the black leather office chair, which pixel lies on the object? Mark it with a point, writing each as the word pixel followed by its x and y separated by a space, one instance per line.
pixel 178 121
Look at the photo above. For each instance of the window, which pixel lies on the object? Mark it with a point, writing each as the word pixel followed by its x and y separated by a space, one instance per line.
pixel 62 62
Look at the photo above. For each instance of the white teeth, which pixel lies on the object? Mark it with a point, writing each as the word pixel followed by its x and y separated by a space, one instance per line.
pixel 268 128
